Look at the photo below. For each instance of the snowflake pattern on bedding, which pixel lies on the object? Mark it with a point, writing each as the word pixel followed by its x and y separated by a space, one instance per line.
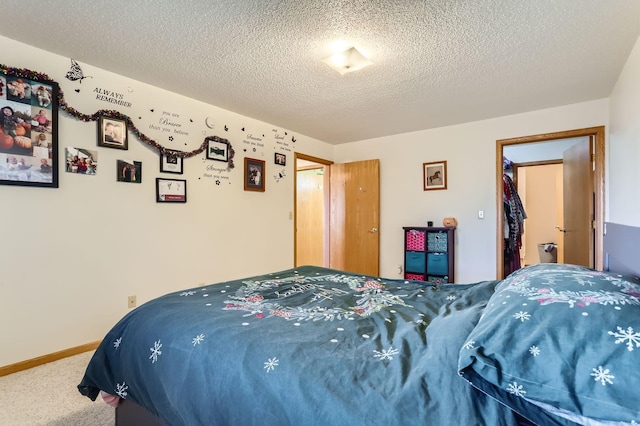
pixel 561 312
pixel 121 390
pixel 271 364
pixel 386 353
pixel 603 376
pixel 155 351
pixel 516 389
pixel 626 336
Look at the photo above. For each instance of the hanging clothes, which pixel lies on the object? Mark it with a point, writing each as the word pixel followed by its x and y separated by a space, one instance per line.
pixel 514 216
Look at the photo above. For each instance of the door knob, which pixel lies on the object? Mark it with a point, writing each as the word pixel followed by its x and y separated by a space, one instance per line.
pixel 561 229
pixel 374 230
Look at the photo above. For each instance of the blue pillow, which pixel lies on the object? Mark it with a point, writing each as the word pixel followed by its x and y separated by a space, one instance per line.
pixel 562 337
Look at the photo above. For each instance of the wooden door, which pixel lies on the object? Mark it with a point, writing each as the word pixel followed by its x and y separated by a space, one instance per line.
pixel 578 204
pixel 355 217
pixel 310 217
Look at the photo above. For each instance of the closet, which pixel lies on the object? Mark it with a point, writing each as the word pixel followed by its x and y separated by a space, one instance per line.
pixel 513 220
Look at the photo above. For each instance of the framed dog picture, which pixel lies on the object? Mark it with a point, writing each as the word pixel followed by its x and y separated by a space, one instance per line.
pixel 112 133
pixel 28 131
pixel 253 175
pixel 435 175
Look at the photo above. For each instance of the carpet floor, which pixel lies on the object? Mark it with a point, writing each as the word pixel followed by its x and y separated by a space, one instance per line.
pixel 48 395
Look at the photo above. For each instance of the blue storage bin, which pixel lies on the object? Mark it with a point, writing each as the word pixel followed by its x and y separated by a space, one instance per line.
pixel 415 261
pixel 437 264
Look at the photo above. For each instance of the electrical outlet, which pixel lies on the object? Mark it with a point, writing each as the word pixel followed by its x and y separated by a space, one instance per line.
pixel 132 302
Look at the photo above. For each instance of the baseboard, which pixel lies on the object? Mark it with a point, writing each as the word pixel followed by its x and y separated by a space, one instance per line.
pixel 44 359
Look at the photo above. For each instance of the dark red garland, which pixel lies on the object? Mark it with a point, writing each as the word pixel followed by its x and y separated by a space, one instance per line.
pixel 110 113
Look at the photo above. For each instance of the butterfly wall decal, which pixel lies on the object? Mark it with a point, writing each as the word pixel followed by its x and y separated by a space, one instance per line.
pixel 75 72
pixel 279 176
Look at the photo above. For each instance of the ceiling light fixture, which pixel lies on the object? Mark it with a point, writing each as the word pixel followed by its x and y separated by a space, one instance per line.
pixel 347 61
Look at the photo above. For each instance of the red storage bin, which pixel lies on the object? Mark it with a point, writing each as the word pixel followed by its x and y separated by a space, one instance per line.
pixel 414 277
pixel 415 240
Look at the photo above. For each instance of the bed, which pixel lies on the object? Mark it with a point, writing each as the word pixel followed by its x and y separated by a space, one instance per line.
pixel 550 344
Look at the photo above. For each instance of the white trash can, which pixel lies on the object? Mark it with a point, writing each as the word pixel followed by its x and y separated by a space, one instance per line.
pixel 548 252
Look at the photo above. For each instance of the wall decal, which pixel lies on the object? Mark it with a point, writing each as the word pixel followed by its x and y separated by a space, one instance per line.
pixel 279 176
pixel 61 103
pixel 208 121
pixel 75 72
pixel 226 129
pixel 112 97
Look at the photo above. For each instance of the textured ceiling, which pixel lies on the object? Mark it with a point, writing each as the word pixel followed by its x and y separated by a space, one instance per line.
pixel 435 62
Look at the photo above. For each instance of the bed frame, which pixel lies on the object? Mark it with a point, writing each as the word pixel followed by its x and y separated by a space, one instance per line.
pixel 129 413
pixel 621 248
pixel 621 255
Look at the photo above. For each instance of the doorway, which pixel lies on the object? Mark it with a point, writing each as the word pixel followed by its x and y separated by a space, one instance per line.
pixel 337 214
pixel 540 186
pixel 311 210
pixel 593 192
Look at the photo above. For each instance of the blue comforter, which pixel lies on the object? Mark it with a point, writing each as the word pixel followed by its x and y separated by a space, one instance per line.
pixel 306 346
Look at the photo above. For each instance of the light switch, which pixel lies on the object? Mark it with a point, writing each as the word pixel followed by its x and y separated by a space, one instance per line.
pixel 480 214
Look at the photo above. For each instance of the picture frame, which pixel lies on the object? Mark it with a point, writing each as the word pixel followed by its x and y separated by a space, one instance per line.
pixel 28 131
pixel 129 171
pixel 254 173
pixel 434 175
pixel 217 149
pixel 81 161
pixel 171 190
pixel 112 133
pixel 170 162
pixel 280 159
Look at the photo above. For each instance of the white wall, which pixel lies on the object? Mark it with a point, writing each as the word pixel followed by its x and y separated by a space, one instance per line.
pixel 470 152
pixel 624 145
pixel 69 257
